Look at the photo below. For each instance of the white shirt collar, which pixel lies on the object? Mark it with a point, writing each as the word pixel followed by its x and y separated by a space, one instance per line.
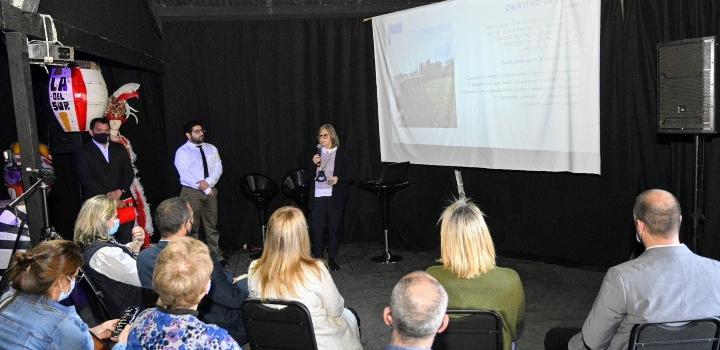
pixel 329 150
pixel 195 145
pixel 664 245
pixel 103 145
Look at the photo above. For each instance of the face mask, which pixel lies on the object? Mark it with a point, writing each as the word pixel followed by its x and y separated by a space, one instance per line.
pixel 65 295
pixel 111 231
pixel 637 237
pixel 101 138
pixel 207 289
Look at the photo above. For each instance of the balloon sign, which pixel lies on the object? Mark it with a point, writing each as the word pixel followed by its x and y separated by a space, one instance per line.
pixel 77 95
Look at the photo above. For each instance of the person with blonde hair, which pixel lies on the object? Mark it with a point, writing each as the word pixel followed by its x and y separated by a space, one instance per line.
pixel 109 264
pixel 31 316
pixel 181 280
pixel 287 271
pixel 330 175
pixel 468 271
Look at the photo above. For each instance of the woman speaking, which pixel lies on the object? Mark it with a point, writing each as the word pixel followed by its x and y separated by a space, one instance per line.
pixel 332 175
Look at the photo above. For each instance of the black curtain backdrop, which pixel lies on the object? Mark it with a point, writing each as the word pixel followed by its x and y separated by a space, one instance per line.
pixel 263 87
pixel 668 160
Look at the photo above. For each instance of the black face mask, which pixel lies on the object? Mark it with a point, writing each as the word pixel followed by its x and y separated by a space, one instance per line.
pixel 101 138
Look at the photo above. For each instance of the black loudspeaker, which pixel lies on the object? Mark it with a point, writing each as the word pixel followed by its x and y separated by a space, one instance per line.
pixel 686 86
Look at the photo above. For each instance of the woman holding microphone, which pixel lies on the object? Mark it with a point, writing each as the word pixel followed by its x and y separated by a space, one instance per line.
pixel 332 174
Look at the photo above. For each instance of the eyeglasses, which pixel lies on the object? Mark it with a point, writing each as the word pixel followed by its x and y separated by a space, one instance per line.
pixel 77 277
pixel 323 136
pixel 201 131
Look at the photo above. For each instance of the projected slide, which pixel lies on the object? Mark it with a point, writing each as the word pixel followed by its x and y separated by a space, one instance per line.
pixel 502 84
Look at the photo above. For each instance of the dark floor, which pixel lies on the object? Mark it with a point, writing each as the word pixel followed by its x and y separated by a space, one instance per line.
pixel 554 295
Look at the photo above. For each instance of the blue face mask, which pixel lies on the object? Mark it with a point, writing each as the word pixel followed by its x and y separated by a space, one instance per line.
pixel 111 231
pixel 65 295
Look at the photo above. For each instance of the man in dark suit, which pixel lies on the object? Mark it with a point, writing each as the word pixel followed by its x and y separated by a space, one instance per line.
pixel 104 168
pixel 221 306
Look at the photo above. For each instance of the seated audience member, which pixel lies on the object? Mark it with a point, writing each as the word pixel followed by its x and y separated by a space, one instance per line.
pixel 416 312
pixel 181 279
pixel 30 315
pixel 173 218
pixel 109 265
pixel 287 271
pixel 667 282
pixel 468 270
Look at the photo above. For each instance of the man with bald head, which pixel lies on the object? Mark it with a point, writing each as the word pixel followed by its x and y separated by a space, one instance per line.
pixel 416 312
pixel 667 282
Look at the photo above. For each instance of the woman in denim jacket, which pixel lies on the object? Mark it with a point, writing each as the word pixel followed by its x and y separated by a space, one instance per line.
pixel 30 315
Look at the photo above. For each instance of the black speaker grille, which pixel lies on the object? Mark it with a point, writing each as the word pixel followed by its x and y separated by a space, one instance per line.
pixel 686 86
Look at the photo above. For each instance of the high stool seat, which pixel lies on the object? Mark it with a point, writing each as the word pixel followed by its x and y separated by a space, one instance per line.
pixel 296 188
pixel 259 189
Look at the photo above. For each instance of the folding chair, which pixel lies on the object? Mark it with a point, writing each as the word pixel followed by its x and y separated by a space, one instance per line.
pixel 480 329
pixel 682 335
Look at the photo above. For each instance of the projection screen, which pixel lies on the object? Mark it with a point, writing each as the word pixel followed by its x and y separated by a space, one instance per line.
pixel 499 84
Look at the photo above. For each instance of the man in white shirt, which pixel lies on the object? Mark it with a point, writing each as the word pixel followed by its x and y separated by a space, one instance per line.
pixel 199 166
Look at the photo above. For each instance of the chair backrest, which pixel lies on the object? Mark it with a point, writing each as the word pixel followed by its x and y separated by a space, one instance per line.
pixel 278 324
pixel 478 329
pixel 682 335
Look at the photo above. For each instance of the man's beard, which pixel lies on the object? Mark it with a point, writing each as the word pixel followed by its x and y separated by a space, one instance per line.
pixel 197 140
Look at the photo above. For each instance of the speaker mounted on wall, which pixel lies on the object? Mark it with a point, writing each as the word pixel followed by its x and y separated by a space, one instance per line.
pixel 686 86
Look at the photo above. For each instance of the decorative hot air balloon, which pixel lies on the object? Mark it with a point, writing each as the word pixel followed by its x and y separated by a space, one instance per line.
pixel 77 95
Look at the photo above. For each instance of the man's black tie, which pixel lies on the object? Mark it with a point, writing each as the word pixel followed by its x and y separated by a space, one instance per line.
pixel 205 168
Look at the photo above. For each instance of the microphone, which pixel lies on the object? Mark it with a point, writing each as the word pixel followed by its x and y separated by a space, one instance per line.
pixel 320 177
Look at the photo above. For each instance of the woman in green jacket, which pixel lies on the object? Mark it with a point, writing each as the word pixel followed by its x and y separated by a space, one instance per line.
pixel 468 271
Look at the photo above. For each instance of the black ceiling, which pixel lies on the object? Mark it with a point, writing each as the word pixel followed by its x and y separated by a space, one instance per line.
pixel 204 10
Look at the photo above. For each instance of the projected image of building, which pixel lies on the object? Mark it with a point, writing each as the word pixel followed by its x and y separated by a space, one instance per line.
pixel 425 83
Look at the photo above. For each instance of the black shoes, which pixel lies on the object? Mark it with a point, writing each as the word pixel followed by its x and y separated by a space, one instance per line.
pixel 332 264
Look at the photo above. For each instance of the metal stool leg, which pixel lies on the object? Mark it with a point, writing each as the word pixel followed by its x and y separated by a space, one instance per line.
pixel 386 257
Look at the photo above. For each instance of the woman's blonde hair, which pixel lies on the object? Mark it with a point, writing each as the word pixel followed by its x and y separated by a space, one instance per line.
pixel 91 223
pixel 182 272
pixel 331 132
pixel 466 247
pixel 280 269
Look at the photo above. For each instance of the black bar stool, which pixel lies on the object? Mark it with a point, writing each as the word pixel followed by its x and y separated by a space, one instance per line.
pixel 296 188
pixel 259 189
pixel 393 178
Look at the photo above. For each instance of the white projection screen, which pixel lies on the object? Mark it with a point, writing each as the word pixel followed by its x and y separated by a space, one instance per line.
pixel 499 84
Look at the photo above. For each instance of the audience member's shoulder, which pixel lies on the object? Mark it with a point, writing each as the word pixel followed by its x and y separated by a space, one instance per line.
pixel 72 330
pixel 220 336
pixel 147 253
pixel 435 270
pixel 714 264
pixel 507 273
